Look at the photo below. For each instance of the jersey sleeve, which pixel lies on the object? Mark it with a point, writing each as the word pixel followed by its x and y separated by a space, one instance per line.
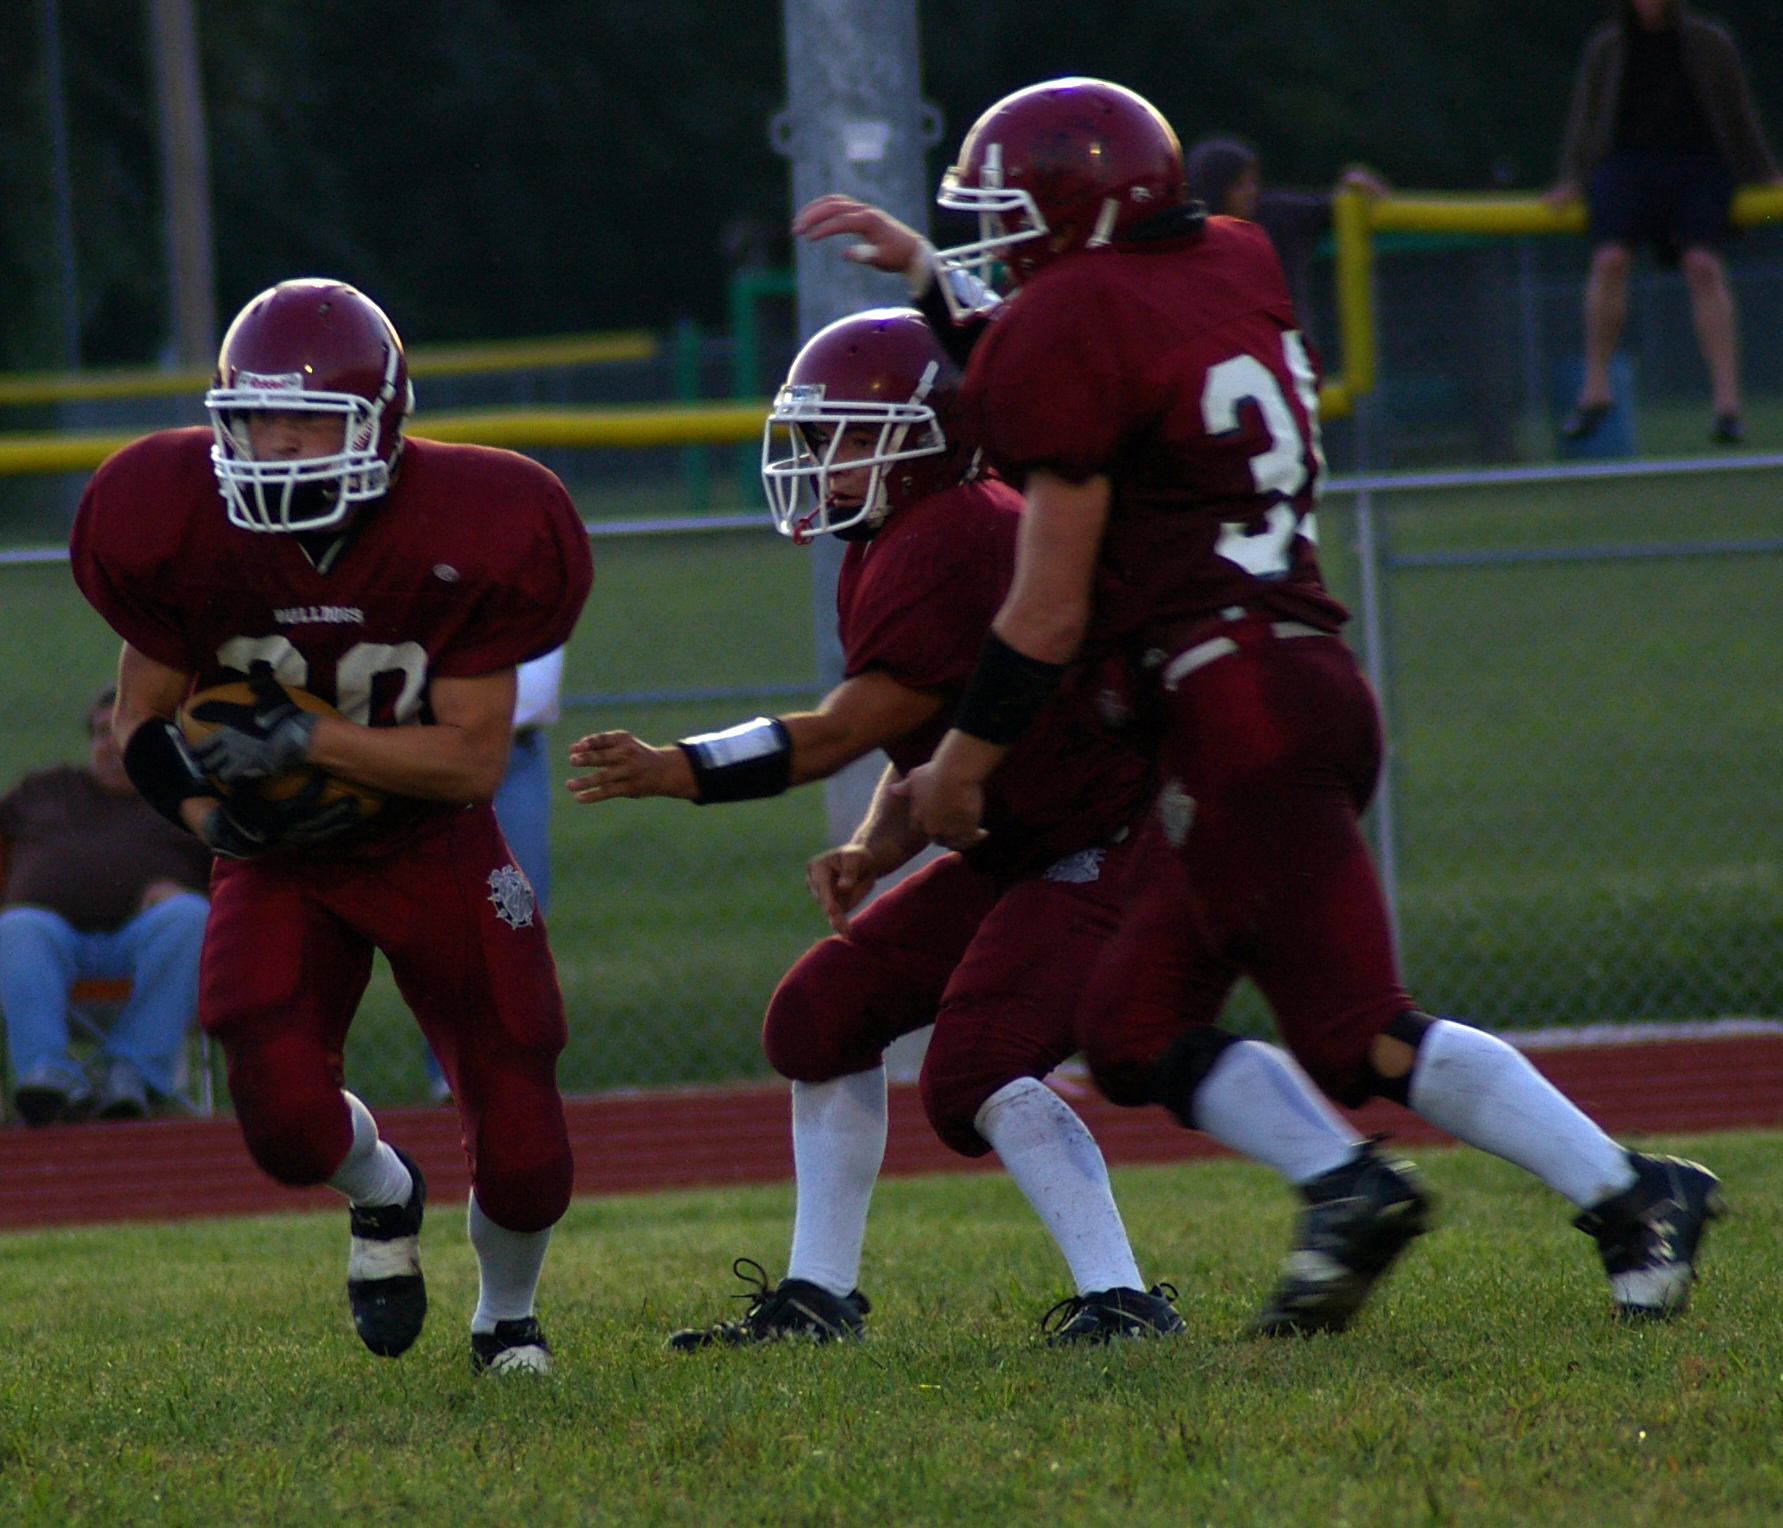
pixel 923 616
pixel 125 546
pixel 1045 389
pixel 535 588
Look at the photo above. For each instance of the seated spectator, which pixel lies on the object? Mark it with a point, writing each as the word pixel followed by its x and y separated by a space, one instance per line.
pixel 96 885
pixel 1224 174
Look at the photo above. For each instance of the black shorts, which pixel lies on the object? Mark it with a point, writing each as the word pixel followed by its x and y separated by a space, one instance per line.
pixel 1673 201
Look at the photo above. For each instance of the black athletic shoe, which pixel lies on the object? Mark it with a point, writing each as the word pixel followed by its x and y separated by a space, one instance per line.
pixel 514 1347
pixel 384 1283
pixel 1585 421
pixel 1110 1313
pixel 793 1308
pixel 1358 1218
pixel 1649 1234
pixel 1729 430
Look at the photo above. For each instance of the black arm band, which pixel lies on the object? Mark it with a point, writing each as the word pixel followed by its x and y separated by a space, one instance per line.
pixel 163 770
pixel 956 339
pixel 1006 692
pixel 742 763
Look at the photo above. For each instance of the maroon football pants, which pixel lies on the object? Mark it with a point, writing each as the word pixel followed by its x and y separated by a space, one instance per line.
pixel 287 954
pixel 995 966
pixel 1253 864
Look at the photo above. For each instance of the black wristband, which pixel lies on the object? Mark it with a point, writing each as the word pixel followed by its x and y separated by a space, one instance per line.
pixel 1006 692
pixel 163 770
pixel 742 763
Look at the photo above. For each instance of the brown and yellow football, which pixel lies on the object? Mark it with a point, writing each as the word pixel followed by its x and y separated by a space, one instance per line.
pixel 282 787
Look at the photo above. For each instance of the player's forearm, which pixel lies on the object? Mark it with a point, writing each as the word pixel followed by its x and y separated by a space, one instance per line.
pixel 823 744
pixel 886 834
pixel 437 763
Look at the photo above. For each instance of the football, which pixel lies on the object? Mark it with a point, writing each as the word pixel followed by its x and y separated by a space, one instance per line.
pixel 283 787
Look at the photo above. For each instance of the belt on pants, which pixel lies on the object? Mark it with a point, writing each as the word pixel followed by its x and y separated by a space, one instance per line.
pixel 1214 648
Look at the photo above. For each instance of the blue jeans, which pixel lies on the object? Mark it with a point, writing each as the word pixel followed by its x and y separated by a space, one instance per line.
pixel 523 808
pixel 42 955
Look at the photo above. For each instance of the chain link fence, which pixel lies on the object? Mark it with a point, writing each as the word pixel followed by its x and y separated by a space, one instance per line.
pixel 1580 821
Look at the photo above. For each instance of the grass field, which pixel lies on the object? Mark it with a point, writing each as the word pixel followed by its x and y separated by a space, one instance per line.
pixel 1589 791
pixel 207 1373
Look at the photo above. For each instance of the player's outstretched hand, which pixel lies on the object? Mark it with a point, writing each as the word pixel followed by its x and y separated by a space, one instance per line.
pixel 887 244
pixel 946 808
pixel 839 878
pixel 620 765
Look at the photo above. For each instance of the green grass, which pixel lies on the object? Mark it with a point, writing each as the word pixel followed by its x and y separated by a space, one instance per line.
pixel 207 1373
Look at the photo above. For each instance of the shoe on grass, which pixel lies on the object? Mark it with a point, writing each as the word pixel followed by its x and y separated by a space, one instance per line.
pixel 793 1308
pixel 1110 1313
pixel 123 1094
pixel 514 1347
pixel 1585 421
pixel 384 1283
pixel 1358 1218
pixel 1650 1233
pixel 49 1094
pixel 1729 430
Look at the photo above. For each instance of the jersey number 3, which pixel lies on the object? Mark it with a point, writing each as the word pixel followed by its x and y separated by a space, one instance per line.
pixel 1277 473
pixel 355 673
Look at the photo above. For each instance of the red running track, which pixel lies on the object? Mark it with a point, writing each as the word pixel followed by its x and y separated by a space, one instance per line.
pixel 638 1142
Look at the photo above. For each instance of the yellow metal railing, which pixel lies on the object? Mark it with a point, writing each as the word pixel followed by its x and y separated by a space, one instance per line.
pixel 424 361
pixel 1356 218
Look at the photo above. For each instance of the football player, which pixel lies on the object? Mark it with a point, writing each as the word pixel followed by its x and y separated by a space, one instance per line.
pixel 302 544
pixel 1147 385
pixel 990 943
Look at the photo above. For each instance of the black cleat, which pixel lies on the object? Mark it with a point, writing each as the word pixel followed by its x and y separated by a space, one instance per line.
pixel 1585 421
pixel 1359 1217
pixel 1729 430
pixel 514 1347
pixel 1110 1313
pixel 793 1308
pixel 384 1283
pixel 1648 1235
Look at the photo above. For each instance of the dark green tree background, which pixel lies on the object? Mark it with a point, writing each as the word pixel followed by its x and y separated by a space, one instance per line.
pixel 509 167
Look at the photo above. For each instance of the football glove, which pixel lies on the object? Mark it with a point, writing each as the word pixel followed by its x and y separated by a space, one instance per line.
pixel 245 825
pixel 268 738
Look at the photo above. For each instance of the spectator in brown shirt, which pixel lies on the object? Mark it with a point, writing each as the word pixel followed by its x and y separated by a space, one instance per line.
pixel 96 885
pixel 1661 131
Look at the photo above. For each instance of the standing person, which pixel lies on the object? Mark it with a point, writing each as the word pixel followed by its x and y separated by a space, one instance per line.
pixel 95 885
pixel 303 543
pixel 992 943
pixel 1226 177
pixel 1147 387
pixel 1660 132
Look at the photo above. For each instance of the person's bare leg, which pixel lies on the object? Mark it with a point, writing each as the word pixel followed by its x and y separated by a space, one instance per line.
pixel 1606 306
pixel 1712 308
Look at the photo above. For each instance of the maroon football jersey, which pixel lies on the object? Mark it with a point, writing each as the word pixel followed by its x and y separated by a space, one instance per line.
pixel 916 601
pixel 1175 369
pixel 474 562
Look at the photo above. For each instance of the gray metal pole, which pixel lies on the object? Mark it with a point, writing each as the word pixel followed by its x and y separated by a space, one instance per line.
pixel 855 122
pixel 1376 662
pixel 61 183
pixel 185 180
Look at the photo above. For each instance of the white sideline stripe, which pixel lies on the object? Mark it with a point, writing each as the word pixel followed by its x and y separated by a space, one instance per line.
pixel 1643 1032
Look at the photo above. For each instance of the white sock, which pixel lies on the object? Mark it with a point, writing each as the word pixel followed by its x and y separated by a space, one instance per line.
pixel 1257 1102
pixel 372 1173
pixel 838 1142
pixel 1055 1161
pixel 508 1264
pixel 1486 1093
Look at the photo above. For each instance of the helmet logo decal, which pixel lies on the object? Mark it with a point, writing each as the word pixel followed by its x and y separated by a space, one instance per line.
pixel 269 382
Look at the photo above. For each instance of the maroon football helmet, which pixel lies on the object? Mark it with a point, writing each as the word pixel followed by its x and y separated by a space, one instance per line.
pixel 873 393
pixel 308 347
pixel 1066 164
